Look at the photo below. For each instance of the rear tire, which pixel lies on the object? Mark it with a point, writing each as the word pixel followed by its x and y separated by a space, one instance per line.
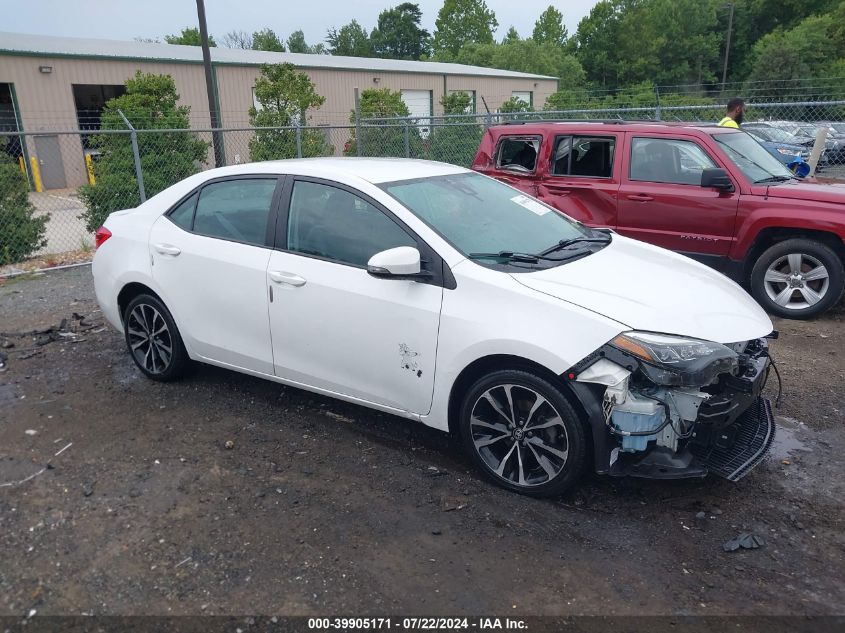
pixel 798 279
pixel 153 339
pixel 523 434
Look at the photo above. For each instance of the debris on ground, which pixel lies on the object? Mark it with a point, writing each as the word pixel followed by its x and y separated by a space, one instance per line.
pixel 38 338
pixel 746 540
pixel 229 444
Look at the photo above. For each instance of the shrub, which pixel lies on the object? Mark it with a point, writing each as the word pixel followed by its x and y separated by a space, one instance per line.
pixel 21 230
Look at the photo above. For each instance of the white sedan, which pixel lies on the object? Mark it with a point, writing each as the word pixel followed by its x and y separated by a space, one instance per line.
pixel 435 293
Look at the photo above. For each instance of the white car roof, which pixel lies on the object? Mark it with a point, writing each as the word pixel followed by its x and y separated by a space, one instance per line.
pixel 372 170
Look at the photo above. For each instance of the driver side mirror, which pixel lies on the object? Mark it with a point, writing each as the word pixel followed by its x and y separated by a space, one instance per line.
pixel 716 178
pixel 402 262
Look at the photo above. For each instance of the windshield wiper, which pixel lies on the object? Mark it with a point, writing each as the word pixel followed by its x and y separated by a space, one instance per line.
pixel 511 256
pixel 576 240
pixel 773 179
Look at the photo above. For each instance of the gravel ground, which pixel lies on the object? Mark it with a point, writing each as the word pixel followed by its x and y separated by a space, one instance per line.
pixel 323 507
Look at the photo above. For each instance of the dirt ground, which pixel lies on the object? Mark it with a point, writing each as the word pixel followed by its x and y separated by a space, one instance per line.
pixel 323 507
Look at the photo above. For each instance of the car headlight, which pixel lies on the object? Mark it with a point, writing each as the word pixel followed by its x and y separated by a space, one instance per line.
pixel 677 360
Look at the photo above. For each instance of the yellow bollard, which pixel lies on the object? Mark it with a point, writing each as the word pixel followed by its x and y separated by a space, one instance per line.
pixel 22 165
pixel 89 166
pixel 36 174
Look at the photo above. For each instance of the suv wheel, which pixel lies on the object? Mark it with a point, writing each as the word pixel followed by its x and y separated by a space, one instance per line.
pixel 797 279
pixel 523 433
pixel 153 340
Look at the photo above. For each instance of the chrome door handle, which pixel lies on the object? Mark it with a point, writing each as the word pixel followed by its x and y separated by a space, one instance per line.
pixel 283 277
pixel 167 249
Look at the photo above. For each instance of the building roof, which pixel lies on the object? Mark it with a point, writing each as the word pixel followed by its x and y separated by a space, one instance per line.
pixel 51 46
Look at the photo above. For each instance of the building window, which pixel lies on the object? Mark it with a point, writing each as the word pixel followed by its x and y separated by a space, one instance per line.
pixel 526 96
pixel 471 109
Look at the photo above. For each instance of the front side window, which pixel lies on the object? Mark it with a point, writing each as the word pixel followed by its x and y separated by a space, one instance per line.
pixel 518 153
pixel 583 156
pixel 332 223
pixel 477 214
pixel 236 210
pixel 668 160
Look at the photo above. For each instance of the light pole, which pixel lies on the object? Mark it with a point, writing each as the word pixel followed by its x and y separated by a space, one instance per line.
pixel 728 42
pixel 216 138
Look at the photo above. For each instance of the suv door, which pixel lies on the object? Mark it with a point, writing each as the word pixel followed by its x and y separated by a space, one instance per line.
pixel 582 179
pixel 516 159
pixel 337 328
pixel 661 200
pixel 210 255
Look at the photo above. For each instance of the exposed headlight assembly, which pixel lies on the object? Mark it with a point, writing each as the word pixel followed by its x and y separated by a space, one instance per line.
pixel 676 360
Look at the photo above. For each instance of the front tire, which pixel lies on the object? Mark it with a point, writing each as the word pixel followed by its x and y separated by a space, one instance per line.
pixel 153 339
pixel 798 279
pixel 523 434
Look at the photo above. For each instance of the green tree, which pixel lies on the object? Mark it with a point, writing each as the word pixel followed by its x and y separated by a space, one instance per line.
pixel 460 22
pixel 267 40
pixel 549 28
pixel 514 105
pixel 398 34
pixel 350 40
pixel 378 139
pixel 596 38
pixel 297 44
pixel 286 95
pixel 166 157
pixel 458 141
pixel 190 36
pixel 511 37
pixel 21 229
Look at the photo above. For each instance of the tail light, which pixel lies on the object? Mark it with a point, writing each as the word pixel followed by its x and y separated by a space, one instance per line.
pixel 101 236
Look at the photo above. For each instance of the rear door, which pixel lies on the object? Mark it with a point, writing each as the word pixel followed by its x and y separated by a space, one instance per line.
pixel 516 161
pixel 583 177
pixel 210 255
pixel 661 200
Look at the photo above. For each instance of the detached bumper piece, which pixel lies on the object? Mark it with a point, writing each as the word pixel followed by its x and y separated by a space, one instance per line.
pixel 733 451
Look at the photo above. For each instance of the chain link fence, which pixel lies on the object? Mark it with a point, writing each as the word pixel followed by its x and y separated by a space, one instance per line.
pixel 57 187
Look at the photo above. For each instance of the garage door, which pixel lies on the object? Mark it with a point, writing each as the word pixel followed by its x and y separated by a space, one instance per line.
pixel 419 105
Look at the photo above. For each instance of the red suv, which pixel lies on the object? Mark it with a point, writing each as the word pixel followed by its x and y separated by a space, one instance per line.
pixel 711 193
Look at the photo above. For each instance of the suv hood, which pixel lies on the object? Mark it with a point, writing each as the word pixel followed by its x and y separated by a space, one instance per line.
pixel 648 288
pixel 817 192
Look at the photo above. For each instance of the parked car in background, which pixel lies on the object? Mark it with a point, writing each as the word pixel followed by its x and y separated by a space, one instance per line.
pixel 788 132
pixel 435 293
pixel 836 131
pixel 709 192
pixel 778 143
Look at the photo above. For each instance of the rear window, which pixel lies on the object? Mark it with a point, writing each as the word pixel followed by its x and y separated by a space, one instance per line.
pixel 518 153
pixel 583 156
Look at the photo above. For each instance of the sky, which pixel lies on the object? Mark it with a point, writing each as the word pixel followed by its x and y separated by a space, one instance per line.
pixel 127 19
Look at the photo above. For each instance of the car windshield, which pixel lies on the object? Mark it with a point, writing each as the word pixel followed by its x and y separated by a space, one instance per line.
pixel 776 134
pixel 752 159
pixel 477 214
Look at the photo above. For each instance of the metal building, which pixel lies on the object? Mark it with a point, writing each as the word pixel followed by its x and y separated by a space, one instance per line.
pixel 52 84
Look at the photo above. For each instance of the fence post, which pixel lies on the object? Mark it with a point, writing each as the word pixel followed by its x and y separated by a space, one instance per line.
pixel 299 141
pixel 136 155
pixel 358 140
pixel 407 139
pixel 657 108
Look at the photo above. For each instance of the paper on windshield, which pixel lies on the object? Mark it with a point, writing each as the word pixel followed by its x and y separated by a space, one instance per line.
pixel 531 204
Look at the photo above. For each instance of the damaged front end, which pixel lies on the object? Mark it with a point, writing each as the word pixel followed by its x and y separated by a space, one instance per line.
pixel 669 407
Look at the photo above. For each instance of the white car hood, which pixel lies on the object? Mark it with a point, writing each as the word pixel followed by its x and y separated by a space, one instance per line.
pixel 648 288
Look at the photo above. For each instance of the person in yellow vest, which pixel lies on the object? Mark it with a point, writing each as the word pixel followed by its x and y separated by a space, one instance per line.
pixel 735 113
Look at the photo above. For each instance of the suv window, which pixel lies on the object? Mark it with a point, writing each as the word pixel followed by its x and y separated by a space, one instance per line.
pixel 518 153
pixel 235 209
pixel 668 160
pixel 332 223
pixel 583 156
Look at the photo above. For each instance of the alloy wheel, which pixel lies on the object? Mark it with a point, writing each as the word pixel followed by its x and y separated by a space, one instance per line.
pixel 519 435
pixel 796 281
pixel 149 338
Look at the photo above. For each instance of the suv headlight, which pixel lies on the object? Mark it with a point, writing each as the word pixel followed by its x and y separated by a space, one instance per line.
pixel 677 360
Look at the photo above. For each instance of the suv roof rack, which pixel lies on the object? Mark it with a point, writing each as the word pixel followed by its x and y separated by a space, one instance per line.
pixel 603 121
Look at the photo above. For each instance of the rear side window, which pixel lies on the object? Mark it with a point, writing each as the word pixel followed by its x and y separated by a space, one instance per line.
pixel 183 215
pixel 518 153
pixel 583 156
pixel 668 160
pixel 235 210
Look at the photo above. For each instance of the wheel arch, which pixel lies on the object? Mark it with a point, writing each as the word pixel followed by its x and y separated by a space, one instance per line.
pixel 770 236
pixel 131 290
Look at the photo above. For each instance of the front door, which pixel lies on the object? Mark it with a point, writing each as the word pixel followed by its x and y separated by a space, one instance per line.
pixel 661 200
pixel 210 256
pixel 334 326
pixel 583 181
pixel 49 157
